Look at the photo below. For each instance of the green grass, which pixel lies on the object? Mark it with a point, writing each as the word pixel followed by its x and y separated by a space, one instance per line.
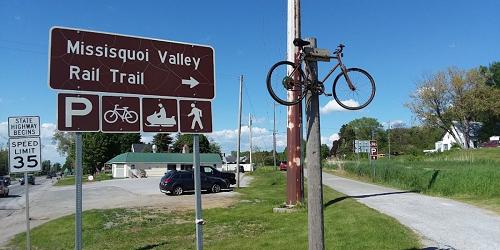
pixel 249 224
pixel 70 180
pixel 472 175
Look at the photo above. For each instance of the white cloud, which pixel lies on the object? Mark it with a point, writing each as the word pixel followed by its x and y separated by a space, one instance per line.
pixel 394 124
pixel 148 137
pixel 329 140
pixel 333 106
pixel 262 139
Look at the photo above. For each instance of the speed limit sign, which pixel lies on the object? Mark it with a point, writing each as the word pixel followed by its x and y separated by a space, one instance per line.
pixel 24 154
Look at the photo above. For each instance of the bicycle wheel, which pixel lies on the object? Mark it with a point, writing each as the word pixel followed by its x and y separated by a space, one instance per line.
pixel 110 116
pixel 282 86
pixel 358 98
pixel 131 117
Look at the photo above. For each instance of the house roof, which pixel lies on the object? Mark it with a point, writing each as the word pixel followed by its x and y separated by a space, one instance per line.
pixel 131 157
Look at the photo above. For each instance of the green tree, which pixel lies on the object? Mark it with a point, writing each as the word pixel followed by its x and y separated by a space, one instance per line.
pixel 490 96
pixel 45 167
pixel 214 147
pixel 162 141
pixel 98 148
pixel 187 139
pixel 324 151
pixel 452 97
pixel 492 74
pixel 4 165
pixel 364 128
pixel 56 167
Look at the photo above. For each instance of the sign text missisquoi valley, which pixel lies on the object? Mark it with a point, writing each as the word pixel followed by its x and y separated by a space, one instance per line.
pixel 124 55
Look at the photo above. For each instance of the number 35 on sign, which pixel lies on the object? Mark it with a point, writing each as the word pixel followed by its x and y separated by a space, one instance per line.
pixel 24 154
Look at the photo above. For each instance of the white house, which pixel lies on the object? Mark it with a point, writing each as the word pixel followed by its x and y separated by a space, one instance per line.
pixel 448 140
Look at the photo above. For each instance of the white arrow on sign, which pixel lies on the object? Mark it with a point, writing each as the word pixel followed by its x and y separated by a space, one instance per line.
pixel 191 82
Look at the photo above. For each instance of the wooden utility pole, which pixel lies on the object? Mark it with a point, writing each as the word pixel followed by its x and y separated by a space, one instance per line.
pixel 250 128
pixel 294 138
pixel 239 135
pixel 313 156
pixel 274 135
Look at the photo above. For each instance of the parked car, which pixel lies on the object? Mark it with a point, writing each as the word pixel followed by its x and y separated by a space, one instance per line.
pixel 5 179
pixel 490 144
pixel 176 182
pixel 51 174
pixel 4 189
pixel 283 165
pixel 211 171
pixel 31 180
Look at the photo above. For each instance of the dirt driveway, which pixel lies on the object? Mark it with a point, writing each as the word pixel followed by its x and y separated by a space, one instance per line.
pixel 49 202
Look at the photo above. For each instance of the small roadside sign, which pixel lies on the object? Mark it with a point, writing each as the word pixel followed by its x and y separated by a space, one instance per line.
pixel 195 116
pixel 373 150
pixel 120 114
pixel 159 115
pixel 24 154
pixel 78 113
pixel 24 126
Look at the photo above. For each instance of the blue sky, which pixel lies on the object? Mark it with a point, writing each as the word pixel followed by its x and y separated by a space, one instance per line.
pixel 396 41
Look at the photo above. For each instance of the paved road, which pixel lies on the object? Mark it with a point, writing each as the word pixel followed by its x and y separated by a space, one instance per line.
pixel 442 223
pixel 48 202
pixel 16 200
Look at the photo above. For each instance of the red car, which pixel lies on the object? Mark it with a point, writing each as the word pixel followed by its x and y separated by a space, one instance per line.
pixel 491 144
pixel 283 165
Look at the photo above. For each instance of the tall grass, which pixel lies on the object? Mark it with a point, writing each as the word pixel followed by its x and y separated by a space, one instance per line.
pixel 470 173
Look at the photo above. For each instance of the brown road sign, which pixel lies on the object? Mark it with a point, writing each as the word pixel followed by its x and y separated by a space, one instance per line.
pixel 77 113
pixel 120 114
pixel 103 62
pixel 159 115
pixel 195 116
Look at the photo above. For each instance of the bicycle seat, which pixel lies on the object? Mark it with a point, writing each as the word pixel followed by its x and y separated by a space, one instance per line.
pixel 300 43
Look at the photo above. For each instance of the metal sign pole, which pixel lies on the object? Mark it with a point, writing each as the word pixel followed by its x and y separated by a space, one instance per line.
pixel 78 183
pixel 197 192
pixel 28 240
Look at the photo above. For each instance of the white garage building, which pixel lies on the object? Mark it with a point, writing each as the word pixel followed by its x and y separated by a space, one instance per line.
pixel 128 165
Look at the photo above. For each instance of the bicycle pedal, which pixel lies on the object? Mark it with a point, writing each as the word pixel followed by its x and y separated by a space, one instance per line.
pixel 328 94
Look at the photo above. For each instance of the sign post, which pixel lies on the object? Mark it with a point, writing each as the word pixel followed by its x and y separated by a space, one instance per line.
pixel 78 183
pixel 197 184
pixel 28 238
pixel 373 155
pixel 25 154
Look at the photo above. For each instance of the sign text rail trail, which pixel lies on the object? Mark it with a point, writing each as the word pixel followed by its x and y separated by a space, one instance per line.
pixel 103 62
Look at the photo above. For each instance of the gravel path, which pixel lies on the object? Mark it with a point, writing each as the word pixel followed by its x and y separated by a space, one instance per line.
pixel 442 223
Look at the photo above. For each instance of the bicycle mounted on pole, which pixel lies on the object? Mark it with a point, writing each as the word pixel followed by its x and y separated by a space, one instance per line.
pixel 352 89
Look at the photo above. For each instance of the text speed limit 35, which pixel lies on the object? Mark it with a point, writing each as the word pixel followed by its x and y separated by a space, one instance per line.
pixel 24 154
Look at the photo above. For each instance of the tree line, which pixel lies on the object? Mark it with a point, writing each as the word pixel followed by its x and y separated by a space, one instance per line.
pixel 451 97
pixel 98 148
pixel 460 98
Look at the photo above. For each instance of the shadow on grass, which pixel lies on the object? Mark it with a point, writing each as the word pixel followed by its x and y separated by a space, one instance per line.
pixel 433 179
pixel 151 246
pixel 339 199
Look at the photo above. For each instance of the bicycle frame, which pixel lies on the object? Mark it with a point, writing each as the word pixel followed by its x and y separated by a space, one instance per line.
pixel 123 115
pixel 301 57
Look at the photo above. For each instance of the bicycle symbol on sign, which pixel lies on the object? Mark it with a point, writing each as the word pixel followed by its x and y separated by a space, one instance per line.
pixel 111 116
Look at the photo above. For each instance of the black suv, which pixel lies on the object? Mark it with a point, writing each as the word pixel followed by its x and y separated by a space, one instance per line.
pixel 230 177
pixel 177 182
